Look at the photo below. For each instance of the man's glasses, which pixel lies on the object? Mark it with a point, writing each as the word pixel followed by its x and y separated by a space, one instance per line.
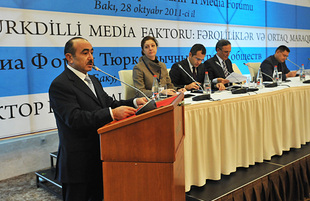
pixel 197 59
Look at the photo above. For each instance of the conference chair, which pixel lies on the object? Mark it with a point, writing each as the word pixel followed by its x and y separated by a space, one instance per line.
pixel 126 76
pixel 236 69
pixel 253 68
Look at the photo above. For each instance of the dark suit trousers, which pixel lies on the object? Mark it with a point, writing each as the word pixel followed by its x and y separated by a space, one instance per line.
pixel 82 191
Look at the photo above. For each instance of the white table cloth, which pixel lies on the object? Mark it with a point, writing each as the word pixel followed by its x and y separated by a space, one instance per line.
pixel 242 129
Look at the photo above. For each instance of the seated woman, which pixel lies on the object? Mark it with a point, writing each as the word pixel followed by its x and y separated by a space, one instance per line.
pixel 149 66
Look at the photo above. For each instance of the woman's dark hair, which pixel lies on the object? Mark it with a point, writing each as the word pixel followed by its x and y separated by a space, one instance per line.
pixel 146 38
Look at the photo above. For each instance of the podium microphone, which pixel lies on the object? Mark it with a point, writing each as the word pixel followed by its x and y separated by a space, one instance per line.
pixel 200 97
pixel 274 84
pixel 150 105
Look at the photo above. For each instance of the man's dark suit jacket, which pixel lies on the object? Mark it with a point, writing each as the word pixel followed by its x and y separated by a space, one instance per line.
pixel 268 67
pixel 214 68
pixel 79 113
pixel 179 78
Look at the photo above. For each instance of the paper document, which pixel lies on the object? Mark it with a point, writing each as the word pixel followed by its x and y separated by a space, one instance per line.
pixel 307 71
pixel 235 77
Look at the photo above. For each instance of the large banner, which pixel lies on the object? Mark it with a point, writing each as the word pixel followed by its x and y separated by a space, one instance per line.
pixel 33 34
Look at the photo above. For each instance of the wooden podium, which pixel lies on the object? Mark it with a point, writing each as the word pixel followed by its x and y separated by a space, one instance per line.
pixel 143 156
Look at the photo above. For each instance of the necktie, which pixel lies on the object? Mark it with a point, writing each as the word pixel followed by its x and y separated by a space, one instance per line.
pixel 90 84
pixel 194 73
pixel 225 69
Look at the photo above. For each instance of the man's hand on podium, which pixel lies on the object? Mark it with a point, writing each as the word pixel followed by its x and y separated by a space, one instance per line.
pixel 123 112
pixel 141 101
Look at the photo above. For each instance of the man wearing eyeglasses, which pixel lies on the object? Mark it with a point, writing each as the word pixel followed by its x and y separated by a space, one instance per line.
pixel 278 59
pixel 193 66
pixel 220 66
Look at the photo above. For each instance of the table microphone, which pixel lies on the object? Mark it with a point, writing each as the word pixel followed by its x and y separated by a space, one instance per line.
pixel 242 89
pixel 150 105
pixel 306 81
pixel 274 84
pixel 200 97
pixel 294 63
pixel 239 90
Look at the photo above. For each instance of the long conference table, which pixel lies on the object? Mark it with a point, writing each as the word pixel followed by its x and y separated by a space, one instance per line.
pixel 238 130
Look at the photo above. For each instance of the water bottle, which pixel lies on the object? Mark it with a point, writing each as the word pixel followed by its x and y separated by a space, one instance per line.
pixel 155 88
pixel 302 74
pixel 207 84
pixel 259 83
pixel 275 76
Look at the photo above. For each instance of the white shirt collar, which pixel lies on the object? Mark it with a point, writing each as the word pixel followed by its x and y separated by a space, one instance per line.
pixel 190 64
pixel 81 75
pixel 220 59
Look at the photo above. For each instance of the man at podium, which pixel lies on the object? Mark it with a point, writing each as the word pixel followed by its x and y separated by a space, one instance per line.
pixel 81 106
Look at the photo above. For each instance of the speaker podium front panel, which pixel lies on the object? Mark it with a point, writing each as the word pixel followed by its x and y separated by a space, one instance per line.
pixel 143 156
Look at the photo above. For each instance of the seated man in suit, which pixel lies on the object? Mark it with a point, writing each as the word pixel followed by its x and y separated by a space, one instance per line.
pixel 193 66
pixel 278 59
pixel 220 66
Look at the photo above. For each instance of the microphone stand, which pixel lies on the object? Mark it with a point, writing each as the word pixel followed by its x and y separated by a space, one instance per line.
pixel 241 90
pixel 306 81
pixel 200 97
pixel 150 105
pixel 273 84
pixel 293 63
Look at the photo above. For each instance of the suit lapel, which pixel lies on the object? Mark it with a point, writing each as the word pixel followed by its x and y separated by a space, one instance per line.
pixel 78 83
pixel 99 91
pixel 218 66
pixel 187 68
pixel 229 66
pixel 201 69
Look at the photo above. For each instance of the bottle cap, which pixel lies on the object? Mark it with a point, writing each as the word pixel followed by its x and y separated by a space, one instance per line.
pixel 155 75
pixel 206 72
